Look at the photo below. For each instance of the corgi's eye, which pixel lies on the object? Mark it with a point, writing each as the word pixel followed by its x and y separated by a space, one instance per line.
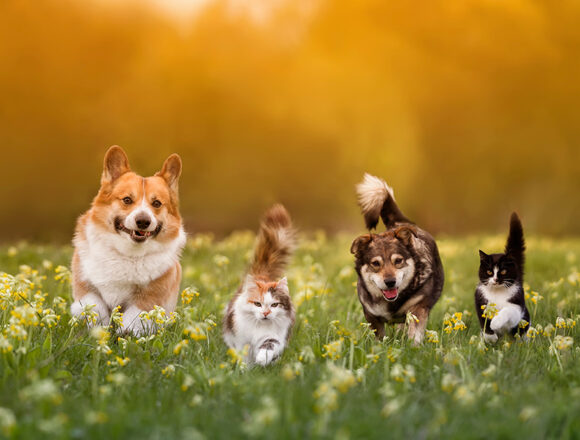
pixel 503 272
pixel 376 264
pixel 273 305
pixel 127 200
pixel 156 204
pixel 257 304
pixel 489 272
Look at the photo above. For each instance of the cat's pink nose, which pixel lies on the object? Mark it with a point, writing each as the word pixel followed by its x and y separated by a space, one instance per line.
pixel 267 312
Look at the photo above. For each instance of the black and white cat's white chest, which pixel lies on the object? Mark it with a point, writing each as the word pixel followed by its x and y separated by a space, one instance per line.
pixel 499 294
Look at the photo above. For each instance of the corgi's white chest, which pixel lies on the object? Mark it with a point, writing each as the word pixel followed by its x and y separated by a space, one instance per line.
pixel 108 263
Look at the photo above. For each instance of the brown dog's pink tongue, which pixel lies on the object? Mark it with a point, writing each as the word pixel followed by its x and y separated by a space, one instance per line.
pixel 390 294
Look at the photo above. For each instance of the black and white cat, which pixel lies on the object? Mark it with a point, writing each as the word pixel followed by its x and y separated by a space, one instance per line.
pixel 501 278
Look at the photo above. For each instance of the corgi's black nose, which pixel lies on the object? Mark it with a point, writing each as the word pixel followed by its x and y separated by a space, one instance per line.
pixel 390 283
pixel 143 221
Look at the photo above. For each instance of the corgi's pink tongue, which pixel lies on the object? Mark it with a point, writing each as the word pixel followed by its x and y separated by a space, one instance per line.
pixel 390 294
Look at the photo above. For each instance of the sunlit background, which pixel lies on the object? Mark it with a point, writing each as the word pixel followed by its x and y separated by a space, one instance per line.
pixel 469 109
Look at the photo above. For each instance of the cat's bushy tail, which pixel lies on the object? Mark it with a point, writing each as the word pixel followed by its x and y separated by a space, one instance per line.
pixel 275 242
pixel 516 244
pixel 376 200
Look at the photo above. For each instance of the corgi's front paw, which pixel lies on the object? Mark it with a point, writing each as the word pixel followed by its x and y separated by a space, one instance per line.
pixel 135 324
pixel 138 327
pixel 90 309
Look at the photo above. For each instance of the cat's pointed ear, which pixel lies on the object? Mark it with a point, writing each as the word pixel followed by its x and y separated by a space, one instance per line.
pixel 283 285
pixel 249 282
pixel 482 255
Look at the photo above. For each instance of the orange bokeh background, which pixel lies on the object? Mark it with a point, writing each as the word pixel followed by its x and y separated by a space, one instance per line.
pixel 469 109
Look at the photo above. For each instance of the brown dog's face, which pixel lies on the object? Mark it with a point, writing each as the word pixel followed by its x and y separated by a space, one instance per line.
pixel 384 261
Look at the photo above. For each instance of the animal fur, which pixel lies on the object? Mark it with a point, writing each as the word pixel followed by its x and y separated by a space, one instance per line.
pixel 259 318
pixel 128 244
pixel 501 278
pixel 399 270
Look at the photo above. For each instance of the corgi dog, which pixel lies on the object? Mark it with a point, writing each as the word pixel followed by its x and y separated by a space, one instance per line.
pixel 399 270
pixel 127 246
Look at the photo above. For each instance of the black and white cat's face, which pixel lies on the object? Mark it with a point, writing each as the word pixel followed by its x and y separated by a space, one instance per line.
pixel 497 270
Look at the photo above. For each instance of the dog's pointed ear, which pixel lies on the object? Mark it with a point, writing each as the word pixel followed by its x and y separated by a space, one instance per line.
pixel 406 234
pixel 171 171
pixel 482 255
pixel 115 164
pixel 360 243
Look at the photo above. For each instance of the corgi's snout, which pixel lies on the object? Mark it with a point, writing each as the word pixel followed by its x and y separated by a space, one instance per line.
pixel 142 220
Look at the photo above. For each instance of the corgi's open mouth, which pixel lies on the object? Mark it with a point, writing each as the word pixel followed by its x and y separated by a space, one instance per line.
pixel 137 235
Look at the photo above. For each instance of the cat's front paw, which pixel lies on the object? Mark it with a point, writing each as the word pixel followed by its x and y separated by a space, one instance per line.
pixel 264 357
pixel 490 338
pixel 499 324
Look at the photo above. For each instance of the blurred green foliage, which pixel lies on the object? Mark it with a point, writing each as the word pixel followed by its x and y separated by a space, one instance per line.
pixel 469 109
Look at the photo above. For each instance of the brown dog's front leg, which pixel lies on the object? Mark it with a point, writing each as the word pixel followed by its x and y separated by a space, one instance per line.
pixel 377 325
pixel 417 329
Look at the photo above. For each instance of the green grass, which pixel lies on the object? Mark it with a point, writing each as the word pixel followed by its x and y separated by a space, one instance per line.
pixel 334 380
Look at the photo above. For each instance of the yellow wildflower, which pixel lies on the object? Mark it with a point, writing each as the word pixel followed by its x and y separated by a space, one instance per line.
pixel 195 332
pixel 101 335
pixel 188 294
pixel 180 346
pixel 63 274
pixel 333 349
pixel 221 260
pixel 187 382
pixel 169 370
pixel 489 310
pixel 563 342
pixel 122 361
pixel 432 336
pixel 5 344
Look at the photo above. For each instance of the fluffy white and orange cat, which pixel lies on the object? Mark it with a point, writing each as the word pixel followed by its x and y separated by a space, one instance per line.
pixel 259 318
pixel 128 244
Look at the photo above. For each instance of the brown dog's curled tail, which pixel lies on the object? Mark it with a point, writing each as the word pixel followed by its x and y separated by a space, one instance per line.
pixel 275 243
pixel 376 200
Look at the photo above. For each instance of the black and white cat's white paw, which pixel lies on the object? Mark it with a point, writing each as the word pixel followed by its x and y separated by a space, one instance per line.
pixel 489 338
pixel 506 320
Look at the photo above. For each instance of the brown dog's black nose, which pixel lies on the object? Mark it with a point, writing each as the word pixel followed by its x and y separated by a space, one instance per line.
pixel 143 221
pixel 390 283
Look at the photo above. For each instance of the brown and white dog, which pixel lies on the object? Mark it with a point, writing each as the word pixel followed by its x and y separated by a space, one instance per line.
pixel 128 244
pixel 399 271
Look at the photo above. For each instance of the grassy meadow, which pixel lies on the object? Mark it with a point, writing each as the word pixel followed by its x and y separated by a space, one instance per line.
pixel 60 380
